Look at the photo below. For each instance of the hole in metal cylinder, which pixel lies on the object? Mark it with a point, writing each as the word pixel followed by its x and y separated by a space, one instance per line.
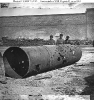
pixel 37 67
pixel 58 58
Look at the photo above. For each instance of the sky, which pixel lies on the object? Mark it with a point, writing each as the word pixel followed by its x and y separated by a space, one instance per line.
pixel 19 9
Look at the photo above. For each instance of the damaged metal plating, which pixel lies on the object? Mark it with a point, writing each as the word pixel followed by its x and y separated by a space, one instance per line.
pixel 23 62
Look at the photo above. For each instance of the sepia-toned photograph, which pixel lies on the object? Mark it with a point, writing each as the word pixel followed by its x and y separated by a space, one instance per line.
pixel 46 50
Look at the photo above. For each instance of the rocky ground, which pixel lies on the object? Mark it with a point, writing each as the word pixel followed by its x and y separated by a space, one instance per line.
pixel 74 82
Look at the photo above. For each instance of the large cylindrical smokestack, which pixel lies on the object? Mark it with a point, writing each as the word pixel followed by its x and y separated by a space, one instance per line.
pixel 23 62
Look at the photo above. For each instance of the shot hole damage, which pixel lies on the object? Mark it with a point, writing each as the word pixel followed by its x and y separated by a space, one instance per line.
pixel 63 58
pixel 58 58
pixel 37 67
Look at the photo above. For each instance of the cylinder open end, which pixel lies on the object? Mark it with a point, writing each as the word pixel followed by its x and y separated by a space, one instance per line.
pixel 16 62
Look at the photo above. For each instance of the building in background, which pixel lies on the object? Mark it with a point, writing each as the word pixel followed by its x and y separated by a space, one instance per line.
pixel 76 25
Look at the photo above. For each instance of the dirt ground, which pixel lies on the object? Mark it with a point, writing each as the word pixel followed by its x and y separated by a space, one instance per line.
pixel 74 82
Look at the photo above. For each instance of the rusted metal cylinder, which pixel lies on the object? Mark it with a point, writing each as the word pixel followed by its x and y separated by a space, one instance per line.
pixel 23 62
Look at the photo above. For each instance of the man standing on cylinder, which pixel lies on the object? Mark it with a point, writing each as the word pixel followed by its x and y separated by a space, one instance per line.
pixel 51 41
pixel 60 40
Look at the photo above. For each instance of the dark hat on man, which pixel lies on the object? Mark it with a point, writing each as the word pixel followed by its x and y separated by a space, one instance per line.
pixel 67 37
pixel 51 36
pixel 61 34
